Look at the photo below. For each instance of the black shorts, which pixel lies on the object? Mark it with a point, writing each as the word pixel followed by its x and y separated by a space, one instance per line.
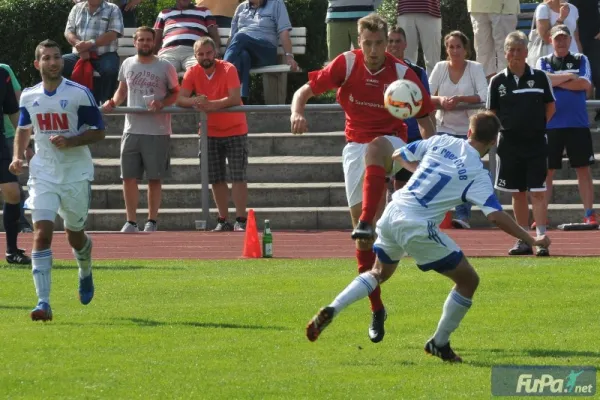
pixel 404 175
pixel 577 141
pixel 5 159
pixel 234 149
pixel 521 167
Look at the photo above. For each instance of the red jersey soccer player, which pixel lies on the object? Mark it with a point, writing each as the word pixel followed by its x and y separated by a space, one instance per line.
pixel 361 77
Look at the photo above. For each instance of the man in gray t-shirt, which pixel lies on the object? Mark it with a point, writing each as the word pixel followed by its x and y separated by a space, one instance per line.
pixel 147 82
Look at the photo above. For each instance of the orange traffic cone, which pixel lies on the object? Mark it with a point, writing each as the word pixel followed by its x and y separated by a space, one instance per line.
pixel 447 222
pixel 251 240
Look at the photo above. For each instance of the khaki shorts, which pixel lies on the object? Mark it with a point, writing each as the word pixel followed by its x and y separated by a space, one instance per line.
pixel 181 57
pixel 149 153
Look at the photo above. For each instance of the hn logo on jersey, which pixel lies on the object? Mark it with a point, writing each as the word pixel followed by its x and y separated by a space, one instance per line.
pixel 53 122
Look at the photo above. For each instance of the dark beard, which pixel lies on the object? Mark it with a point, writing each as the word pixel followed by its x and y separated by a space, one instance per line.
pixel 206 64
pixel 145 53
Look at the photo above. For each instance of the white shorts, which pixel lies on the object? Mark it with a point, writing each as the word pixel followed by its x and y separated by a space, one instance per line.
pixel 353 159
pixel 69 200
pixel 420 239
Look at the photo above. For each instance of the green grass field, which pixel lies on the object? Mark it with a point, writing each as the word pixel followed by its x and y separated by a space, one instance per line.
pixel 235 329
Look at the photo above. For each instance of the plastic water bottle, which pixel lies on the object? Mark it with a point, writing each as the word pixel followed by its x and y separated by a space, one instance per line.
pixel 267 241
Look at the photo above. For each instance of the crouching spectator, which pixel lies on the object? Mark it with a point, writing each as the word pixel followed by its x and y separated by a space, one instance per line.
pixel 93 29
pixel 216 85
pixel 256 30
pixel 149 82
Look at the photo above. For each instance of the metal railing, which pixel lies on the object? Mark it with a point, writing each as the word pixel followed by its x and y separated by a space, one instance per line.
pixel 273 109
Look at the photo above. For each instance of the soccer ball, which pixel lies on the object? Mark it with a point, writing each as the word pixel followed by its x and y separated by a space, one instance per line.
pixel 403 99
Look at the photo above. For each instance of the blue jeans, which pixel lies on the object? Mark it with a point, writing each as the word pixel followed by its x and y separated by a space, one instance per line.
pixel 246 52
pixel 107 65
pixel 462 211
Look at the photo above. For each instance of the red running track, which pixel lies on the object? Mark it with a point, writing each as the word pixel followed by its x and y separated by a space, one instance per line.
pixel 302 244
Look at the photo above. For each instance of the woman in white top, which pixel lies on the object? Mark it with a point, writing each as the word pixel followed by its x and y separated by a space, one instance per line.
pixel 558 12
pixel 452 82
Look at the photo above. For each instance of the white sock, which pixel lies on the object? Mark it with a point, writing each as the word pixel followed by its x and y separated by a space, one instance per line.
pixel 84 258
pixel 41 267
pixel 455 309
pixel 540 230
pixel 360 287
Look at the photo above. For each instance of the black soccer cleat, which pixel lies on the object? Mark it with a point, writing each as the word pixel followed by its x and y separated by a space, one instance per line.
pixel 319 322
pixel 376 329
pixel 444 352
pixel 18 257
pixel 363 230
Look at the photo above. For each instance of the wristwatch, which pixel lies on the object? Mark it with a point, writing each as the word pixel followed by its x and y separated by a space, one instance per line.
pixel 289 54
pixel 93 41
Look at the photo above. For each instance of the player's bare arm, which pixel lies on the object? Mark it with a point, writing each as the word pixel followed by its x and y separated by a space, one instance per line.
pixel 426 126
pixel 409 165
pixel 508 225
pixel 88 137
pixel 297 120
pixel 22 138
pixel 118 98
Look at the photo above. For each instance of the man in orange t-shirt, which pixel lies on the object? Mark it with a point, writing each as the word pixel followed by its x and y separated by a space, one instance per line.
pixel 216 85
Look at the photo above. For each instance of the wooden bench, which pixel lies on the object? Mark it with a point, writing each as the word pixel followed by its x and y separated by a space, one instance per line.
pixel 274 76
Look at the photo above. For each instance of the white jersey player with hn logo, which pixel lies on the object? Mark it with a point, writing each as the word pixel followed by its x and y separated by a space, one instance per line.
pixel 448 172
pixel 65 119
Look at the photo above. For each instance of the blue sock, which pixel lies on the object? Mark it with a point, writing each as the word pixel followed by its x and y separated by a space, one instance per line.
pixel 589 212
pixel 10 217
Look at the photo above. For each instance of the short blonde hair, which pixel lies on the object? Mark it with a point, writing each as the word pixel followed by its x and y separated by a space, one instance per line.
pixel 204 40
pixel 373 23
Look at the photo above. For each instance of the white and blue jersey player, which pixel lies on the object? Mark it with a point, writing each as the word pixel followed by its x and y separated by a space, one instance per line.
pixel 64 119
pixel 447 172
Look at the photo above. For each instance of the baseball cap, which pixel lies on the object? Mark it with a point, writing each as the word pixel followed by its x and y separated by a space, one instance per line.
pixel 560 30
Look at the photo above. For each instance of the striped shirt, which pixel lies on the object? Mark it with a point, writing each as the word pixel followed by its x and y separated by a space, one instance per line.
pixel 431 7
pixel 183 27
pixel 88 26
pixel 350 10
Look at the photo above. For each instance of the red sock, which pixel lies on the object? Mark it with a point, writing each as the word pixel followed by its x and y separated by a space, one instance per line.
pixel 373 188
pixel 366 259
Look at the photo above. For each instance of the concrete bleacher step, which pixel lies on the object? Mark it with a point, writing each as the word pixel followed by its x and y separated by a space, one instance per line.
pixel 259 145
pixel 317 194
pixel 289 218
pixel 272 169
pixel 259 195
pixel 329 121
